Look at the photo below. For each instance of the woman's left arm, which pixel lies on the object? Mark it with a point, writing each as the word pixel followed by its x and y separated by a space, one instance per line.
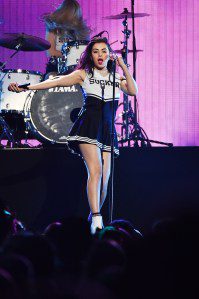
pixel 128 84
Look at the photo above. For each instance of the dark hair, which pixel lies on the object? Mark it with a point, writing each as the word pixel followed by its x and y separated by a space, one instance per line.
pixel 86 62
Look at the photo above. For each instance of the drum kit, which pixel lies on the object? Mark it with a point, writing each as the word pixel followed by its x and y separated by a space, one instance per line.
pixel 45 115
pixel 48 115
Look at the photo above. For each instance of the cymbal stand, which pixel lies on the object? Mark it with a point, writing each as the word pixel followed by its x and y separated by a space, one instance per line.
pixel 138 133
pixel 129 117
pixel 17 49
pixel 125 125
pixel 131 130
pixel 2 65
pixel 6 131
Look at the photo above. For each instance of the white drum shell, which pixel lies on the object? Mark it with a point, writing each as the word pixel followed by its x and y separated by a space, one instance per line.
pixel 74 54
pixel 10 101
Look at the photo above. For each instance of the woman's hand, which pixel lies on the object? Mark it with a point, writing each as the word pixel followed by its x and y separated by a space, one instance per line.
pixel 119 60
pixel 127 84
pixel 14 88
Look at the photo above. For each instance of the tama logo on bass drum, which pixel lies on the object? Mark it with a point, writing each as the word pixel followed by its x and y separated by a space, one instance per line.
pixel 64 89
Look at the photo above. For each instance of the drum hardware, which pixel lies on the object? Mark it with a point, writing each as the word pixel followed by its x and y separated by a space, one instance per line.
pixel 47 120
pixel 1 65
pixel 138 133
pixel 62 61
pixel 127 114
pixel 100 34
pixel 6 133
pixel 23 42
pixel 15 122
pixel 12 104
pixel 122 51
pixel 114 42
pixel 130 128
pixel 71 53
pixel 126 14
pixel 26 114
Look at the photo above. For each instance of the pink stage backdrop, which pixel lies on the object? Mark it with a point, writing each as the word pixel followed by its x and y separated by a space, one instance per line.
pixel 167 69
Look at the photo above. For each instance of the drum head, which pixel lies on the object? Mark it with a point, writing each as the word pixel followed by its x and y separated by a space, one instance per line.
pixel 53 112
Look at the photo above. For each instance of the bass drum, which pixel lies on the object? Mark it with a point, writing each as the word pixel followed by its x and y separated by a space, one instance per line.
pixel 50 114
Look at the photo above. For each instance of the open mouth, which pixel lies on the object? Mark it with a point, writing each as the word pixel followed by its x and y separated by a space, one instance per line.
pixel 100 60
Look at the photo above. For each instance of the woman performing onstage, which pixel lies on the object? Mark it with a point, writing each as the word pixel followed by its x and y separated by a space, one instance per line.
pixel 64 26
pixel 91 133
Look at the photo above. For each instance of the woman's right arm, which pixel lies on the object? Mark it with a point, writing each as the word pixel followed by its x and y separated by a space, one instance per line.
pixel 75 77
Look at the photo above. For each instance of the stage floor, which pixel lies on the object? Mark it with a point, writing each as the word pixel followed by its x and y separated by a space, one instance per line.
pixel 44 185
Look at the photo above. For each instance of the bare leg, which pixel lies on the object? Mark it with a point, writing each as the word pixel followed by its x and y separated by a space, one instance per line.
pixel 106 156
pixel 106 167
pixel 92 157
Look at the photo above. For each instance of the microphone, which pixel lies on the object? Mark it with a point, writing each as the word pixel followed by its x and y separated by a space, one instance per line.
pixel 25 86
pixel 99 34
pixel 102 85
pixel 114 56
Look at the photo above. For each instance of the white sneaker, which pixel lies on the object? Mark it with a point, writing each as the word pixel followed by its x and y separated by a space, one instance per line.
pixel 96 223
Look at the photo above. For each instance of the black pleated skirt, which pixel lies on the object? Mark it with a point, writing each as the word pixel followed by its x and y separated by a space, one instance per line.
pixel 93 126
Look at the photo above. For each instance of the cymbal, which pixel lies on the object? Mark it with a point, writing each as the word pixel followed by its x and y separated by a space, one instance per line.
pixel 129 51
pixel 128 14
pixel 26 42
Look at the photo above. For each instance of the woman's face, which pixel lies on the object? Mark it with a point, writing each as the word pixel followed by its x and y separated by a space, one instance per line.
pixel 100 55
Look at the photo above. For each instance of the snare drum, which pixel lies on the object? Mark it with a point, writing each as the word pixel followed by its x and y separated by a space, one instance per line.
pixel 14 102
pixel 50 114
pixel 72 52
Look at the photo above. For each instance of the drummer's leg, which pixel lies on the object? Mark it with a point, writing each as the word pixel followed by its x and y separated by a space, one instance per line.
pixel 92 157
pixel 106 162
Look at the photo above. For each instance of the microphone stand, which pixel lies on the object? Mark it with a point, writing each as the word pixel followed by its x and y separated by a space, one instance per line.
pixel 111 188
